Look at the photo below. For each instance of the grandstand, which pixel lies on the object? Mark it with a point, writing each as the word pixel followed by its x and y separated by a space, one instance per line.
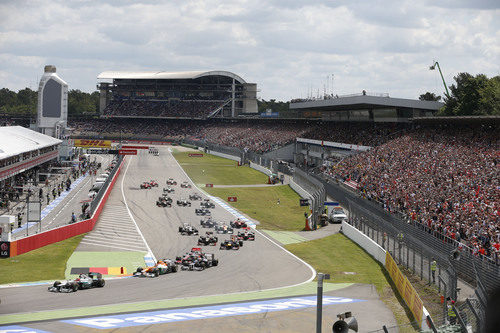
pixel 179 95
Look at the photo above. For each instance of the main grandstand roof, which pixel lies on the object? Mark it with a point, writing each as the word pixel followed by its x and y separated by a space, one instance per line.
pixel 15 140
pixel 165 75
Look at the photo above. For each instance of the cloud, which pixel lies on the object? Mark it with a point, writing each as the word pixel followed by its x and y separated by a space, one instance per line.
pixel 288 47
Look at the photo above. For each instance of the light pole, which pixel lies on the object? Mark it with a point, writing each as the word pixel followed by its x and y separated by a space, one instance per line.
pixel 319 302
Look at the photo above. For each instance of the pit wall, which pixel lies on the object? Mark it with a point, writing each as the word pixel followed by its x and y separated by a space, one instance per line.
pixel 404 287
pixel 260 168
pixel 48 237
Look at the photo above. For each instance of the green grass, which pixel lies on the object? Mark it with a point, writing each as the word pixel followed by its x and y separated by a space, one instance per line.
pixel 260 203
pixel 336 254
pixel 211 169
pixel 46 263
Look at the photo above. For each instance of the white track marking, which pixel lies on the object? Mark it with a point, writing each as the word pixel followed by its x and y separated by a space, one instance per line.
pixel 115 247
pixel 130 214
pixel 109 238
pixel 313 271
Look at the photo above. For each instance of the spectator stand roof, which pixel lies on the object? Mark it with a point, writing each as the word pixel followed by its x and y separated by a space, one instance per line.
pixel 165 75
pixel 364 102
pixel 15 140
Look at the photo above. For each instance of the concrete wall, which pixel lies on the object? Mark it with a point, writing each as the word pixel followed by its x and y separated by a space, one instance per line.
pixel 284 153
pixel 300 191
pixel 364 241
pixel 231 157
pixel 260 168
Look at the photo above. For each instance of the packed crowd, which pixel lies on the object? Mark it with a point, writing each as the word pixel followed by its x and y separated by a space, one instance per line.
pixel 147 108
pixel 446 178
pixel 256 136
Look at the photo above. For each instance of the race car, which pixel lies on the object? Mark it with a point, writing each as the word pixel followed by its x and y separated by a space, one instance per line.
pixel 207 204
pixel 168 189
pixel 164 202
pixel 171 181
pixel 194 197
pixel 145 185
pixel 183 203
pixel 188 229
pixel 162 267
pixel 237 224
pixel 196 260
pixel 246 234
pixel 208 223
pixel 223 228
pixel 208 239
pixel 153 183
pixel 231 244
pixel 202 211
pixel 185 185
pixel 84 281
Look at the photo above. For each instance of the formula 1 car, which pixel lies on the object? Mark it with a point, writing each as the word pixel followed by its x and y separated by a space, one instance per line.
pixel 237 224
pixel 145 185
pixel 196 260
pixel 84 281
pixel 208 239
pixel 207 204
pixel 183 203
pixel 162 267
pixel 188 229
pixel 231 244
pixel 194 197
pixel 168 189
pixel 208 223
pixel 164 202
pixel 185 185
pixel 153 183
pixel 246 234
pixel 202 211
pixel 223 228
pixel 171 181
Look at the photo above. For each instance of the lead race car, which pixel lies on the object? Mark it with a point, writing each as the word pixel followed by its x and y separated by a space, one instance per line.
pixel 145 185
pixel 84 281
pixel 162 267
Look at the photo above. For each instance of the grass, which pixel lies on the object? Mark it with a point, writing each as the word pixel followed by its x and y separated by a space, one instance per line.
pixel 211 169
pixel 260 203
pixel 46 263
pixel 336 254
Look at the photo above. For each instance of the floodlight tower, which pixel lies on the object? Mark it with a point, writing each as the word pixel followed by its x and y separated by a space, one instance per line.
pixel 433 67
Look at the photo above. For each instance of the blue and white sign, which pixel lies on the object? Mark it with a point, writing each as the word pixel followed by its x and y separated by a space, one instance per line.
pixel 238 309
pixel 19 329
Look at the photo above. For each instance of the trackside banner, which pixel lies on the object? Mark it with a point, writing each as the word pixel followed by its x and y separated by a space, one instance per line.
pixel 405 288
pixel 92 143
pixel 239 309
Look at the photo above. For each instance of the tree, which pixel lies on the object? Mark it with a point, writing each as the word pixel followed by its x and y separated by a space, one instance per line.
pixel 473 95
pixel 428 96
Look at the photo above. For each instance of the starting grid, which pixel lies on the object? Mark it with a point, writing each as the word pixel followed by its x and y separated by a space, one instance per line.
pixel 205 312
pixel 51 206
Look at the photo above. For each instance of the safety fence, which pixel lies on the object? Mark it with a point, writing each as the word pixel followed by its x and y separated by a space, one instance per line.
pixel 55 235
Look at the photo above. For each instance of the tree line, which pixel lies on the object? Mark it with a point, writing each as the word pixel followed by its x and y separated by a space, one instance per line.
pixel 470 96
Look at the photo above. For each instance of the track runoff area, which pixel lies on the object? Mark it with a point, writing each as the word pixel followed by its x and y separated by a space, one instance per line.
pixel 260 287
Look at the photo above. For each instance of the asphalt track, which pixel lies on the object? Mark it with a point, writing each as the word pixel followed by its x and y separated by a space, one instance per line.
pixel 257 266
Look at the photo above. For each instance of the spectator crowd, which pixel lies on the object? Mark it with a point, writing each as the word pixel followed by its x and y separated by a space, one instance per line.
pixel 446 178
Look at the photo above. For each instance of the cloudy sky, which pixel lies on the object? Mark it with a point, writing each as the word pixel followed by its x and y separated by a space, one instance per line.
pixel 288 47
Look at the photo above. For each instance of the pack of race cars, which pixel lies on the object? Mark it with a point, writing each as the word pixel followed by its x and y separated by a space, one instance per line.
pixel 196 259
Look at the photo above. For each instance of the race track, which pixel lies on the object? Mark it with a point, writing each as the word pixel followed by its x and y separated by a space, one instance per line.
pixel 256 266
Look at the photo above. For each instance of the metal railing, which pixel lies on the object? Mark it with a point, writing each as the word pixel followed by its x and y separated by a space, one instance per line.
pixel 95 202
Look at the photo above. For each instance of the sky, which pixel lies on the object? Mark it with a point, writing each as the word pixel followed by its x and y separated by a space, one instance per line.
pixel 290 48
